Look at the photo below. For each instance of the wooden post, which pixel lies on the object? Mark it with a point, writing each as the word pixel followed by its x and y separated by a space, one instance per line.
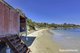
pixel 26 31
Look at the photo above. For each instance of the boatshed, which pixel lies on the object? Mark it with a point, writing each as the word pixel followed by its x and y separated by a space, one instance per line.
pixel 12 22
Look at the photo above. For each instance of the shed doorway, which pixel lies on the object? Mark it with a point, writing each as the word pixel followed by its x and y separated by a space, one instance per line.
pixel 22 24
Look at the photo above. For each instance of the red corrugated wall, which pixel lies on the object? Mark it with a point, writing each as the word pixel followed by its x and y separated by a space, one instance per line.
pixel 14 22
pixel 9 20
pixel 1 18
pixel 6 19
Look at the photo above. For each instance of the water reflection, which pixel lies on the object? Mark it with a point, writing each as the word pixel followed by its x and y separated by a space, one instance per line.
pixel 67 39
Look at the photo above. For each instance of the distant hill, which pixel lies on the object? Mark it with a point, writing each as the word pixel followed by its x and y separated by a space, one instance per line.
pixel 32 25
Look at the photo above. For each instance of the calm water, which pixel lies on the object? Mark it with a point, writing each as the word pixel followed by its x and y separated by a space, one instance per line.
pixel 69 40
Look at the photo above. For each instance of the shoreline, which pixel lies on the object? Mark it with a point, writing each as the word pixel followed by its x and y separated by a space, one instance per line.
pixel 43 42
pixel 35 33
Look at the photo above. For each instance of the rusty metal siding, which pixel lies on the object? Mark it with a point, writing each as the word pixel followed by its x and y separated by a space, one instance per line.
pixel 14 24
pixel 6 19
pixel 17 23
pixel 1 18
pixel 9 20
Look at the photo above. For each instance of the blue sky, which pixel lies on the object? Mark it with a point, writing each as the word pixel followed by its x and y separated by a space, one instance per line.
pixel 50 11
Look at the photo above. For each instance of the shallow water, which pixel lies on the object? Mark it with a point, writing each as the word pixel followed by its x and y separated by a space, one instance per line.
pixel 69 40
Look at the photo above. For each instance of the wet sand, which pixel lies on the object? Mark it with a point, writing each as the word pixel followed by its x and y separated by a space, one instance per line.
pixel 43 42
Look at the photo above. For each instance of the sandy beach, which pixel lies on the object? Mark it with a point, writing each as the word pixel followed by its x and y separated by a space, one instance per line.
pixel 43 42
